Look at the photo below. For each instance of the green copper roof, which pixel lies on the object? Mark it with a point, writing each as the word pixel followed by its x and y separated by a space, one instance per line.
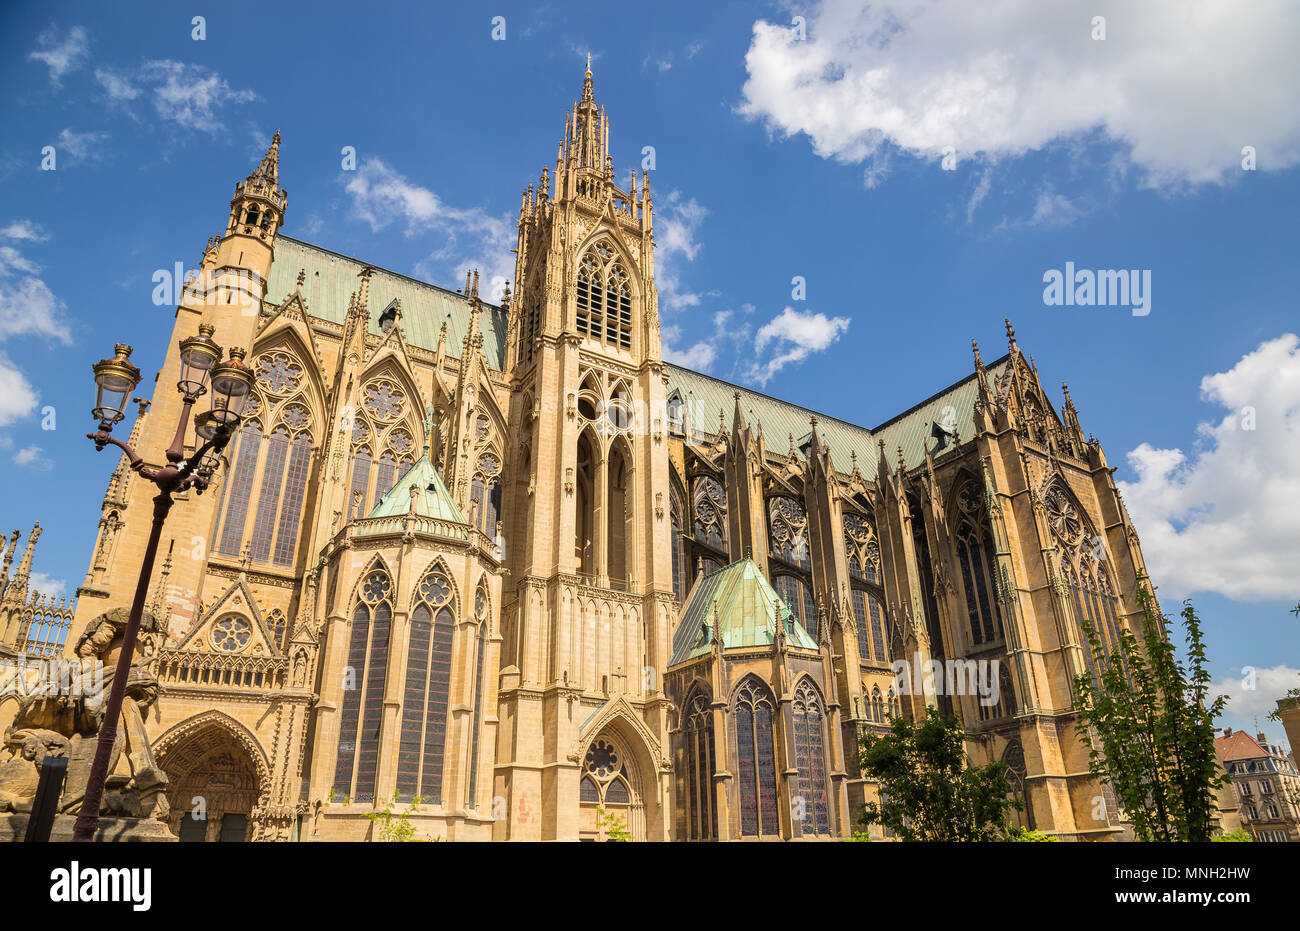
pixel 432 504
pixel 745 609
pixel 331 278
pixel 705 397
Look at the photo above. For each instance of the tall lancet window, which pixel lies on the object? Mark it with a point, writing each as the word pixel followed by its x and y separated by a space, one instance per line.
pixel 604 298
pixel 810 757
pixel 239 489
pixel 422 745
pixel 1082 559
pixel 361 714
pixel 979 565
pixel 863 548
pixel 753 710
pixel 702 812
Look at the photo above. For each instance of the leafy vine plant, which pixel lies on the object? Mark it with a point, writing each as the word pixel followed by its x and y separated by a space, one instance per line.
pixel 395 826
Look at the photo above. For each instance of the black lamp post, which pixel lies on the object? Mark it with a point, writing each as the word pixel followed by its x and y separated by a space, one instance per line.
pixel 231 383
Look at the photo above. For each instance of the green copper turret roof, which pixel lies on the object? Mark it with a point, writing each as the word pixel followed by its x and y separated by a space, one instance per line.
pixel 431 500
pixel 739 605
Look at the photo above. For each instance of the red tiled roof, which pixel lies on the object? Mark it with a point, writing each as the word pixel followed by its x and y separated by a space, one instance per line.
pixel 1239 746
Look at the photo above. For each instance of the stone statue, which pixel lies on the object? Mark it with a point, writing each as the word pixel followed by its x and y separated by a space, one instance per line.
pixel 64 719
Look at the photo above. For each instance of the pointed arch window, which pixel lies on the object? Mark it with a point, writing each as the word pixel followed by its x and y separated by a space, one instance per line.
pixel 604 297
pixel 480 658
pixel 979 565
pixel 798 595
pixel 422 744
pixel 788 531
pixel 362 708
pixel 678 555
pixel 239 489
pixel 1092 594
pixel 863 548
pixel 485 494
pixel 702 814
pixel 810 757
pixel 709 499
pixel 277 453
pixel 753 710
pixel 295 488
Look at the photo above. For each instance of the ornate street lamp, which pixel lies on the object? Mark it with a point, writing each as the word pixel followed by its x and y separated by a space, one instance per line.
pixel 115 379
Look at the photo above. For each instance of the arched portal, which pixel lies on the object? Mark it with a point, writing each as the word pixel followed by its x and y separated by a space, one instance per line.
pixel 618 777
pixel 215 776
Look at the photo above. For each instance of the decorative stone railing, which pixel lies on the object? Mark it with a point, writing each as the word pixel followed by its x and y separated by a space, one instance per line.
pixel 213 670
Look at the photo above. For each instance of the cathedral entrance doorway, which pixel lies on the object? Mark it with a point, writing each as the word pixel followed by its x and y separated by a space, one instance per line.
pixel 213 783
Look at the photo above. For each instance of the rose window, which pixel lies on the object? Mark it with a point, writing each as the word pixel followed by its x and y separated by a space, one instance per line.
pixel 1063 516
pixel 231 634
pixel 295 417
pixel 435 589
pixel 383 400
pixel 400 442
pixel 602 759
pixel 376 587
pixel 278 373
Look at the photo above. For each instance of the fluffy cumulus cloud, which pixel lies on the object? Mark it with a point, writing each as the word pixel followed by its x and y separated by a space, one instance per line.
pixel 1222 518
pixel 1253 692
pixel 677 224
pixel 469 237
pixel 191 97
pixel 30 457
pixel 82 147
pixel 61 53
pixel 27 308
pixel 791 337
pixel 1182 85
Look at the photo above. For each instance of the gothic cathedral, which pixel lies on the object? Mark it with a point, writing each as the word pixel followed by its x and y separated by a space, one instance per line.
pixel 506 569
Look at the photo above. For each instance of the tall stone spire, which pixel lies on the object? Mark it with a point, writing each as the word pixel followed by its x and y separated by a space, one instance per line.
pixel 18 587
pixel 8 560
pixel 269 170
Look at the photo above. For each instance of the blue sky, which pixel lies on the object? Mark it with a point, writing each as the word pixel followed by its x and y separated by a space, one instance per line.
pixel 782 148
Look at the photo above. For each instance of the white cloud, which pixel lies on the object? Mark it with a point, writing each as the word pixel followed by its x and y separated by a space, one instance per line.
pixel 470 237
pixel 790 337
pixel 1183 84
pixel 46 585
pixel 117 85
pixel 17 396
pixel 29 457
pixel 190 95
pixel 87 146
pixel 23 229
pixel 61 56
pixel 698 357
pixel 1255 695
pixel 677 222
pixel 27 306
pixel 1223 518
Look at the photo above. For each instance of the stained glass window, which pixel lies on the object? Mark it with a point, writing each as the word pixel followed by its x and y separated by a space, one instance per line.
pixel 480 655
pixel 701 814
pixel 383 400
pixel 295 486
pixel 617 794
pixel 268 497
pixel 860 623
pixel 360 481
pixel 978 563
pixel 231 633
pixel 756 759
pixel 413 701
pixel 240 489
pixel 810 756
pixel 710 503
pixel 278 373
pixel 588 791
pixel 798 595
pixel 385 476
pixel 373 710
pixel 350 714
pixel 788 531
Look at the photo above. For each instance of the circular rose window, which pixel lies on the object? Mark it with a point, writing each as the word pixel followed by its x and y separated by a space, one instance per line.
pixel 231 633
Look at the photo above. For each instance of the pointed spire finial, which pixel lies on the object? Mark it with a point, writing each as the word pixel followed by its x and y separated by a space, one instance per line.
pixel 587 92
pixel 975 348
pixel 1011 333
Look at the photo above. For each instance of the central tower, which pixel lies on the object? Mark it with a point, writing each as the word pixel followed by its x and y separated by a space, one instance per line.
pixel 588 618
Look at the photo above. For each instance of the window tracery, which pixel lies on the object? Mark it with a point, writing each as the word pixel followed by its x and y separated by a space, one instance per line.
pixel 788 531
pixel 422 742
pixel 604 296
pixel 702 815
pixel 753 711
pixel 979 565
pixel 361 713
pixel 1082 561
pixel 710 506
pixel 810 757
pixel 231 633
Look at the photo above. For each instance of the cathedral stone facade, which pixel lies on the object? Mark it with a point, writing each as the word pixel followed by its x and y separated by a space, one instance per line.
pixel 508 570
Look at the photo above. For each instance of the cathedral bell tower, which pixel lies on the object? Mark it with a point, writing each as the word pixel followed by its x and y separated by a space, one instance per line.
pixel 590 617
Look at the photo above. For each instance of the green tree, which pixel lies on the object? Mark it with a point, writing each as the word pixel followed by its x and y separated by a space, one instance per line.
pixel 1148 723
pixel 1232 837
pixel 927 791
pixel 615 825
